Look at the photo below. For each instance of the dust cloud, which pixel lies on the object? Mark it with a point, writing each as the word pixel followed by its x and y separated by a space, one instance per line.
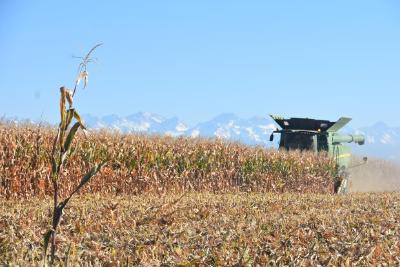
pixel 376 175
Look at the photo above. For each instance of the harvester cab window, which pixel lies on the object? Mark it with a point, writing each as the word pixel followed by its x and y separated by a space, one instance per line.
pixel 322 143
pixel 301 141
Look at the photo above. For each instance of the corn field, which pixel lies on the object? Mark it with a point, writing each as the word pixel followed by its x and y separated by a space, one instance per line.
pixel 142 164
pixel 131 215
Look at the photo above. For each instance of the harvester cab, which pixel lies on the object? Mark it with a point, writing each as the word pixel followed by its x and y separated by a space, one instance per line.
pixel 319 135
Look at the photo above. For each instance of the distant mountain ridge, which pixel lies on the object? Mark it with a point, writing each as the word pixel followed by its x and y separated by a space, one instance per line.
pixel 255 130
pixel 381 140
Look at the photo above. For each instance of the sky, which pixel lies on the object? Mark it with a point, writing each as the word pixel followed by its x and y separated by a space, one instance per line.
pixel 198 59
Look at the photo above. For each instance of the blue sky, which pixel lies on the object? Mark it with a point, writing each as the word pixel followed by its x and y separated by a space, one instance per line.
pixel 196 60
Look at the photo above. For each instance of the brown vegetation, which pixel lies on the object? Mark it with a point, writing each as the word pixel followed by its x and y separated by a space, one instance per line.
pixel 205 229
pixel 140 164
pixel 152 226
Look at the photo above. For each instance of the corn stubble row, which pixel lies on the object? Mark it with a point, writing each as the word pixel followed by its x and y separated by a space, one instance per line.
pixel 205 229
pixel 139 164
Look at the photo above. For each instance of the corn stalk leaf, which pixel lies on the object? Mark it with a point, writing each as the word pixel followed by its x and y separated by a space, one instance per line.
pixel 86 79
pixel 63 116
pixel 70 115
pixel 79 119
pixel 62 106
pixel 83 75
pixel 70 137
pixel 95 169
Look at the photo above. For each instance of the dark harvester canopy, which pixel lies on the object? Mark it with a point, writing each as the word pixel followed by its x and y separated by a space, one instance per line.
pixel 309 124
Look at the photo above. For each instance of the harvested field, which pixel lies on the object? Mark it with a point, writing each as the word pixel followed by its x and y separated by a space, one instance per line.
pixel 243 229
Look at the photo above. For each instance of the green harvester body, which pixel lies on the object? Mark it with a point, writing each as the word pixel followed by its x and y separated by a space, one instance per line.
pixel 319 135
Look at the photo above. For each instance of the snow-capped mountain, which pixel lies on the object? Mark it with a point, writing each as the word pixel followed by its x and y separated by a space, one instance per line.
pixel 381 140
pixel 142 122
pixel 255 130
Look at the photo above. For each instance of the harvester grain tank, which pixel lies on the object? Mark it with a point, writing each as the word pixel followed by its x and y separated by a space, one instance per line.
pixel 320 135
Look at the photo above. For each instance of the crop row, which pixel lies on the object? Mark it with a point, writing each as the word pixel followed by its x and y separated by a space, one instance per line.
pixel 139 164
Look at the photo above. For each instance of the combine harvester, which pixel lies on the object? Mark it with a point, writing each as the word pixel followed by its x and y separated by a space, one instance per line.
pixel 320 135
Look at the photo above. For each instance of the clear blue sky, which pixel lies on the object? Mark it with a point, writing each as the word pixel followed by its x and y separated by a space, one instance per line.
pixel 198 59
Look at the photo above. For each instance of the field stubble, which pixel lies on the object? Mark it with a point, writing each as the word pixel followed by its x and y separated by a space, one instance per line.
pixel 209 229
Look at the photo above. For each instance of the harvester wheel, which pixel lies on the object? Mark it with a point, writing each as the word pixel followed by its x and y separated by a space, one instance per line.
pixel 342 184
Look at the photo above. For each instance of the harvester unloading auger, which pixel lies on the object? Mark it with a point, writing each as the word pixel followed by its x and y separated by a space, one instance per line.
pixel 320 135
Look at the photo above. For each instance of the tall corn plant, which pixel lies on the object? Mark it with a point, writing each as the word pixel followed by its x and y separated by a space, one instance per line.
pixel 61 149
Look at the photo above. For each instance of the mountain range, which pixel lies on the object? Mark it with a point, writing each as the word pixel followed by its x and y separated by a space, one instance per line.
pixel 382 141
